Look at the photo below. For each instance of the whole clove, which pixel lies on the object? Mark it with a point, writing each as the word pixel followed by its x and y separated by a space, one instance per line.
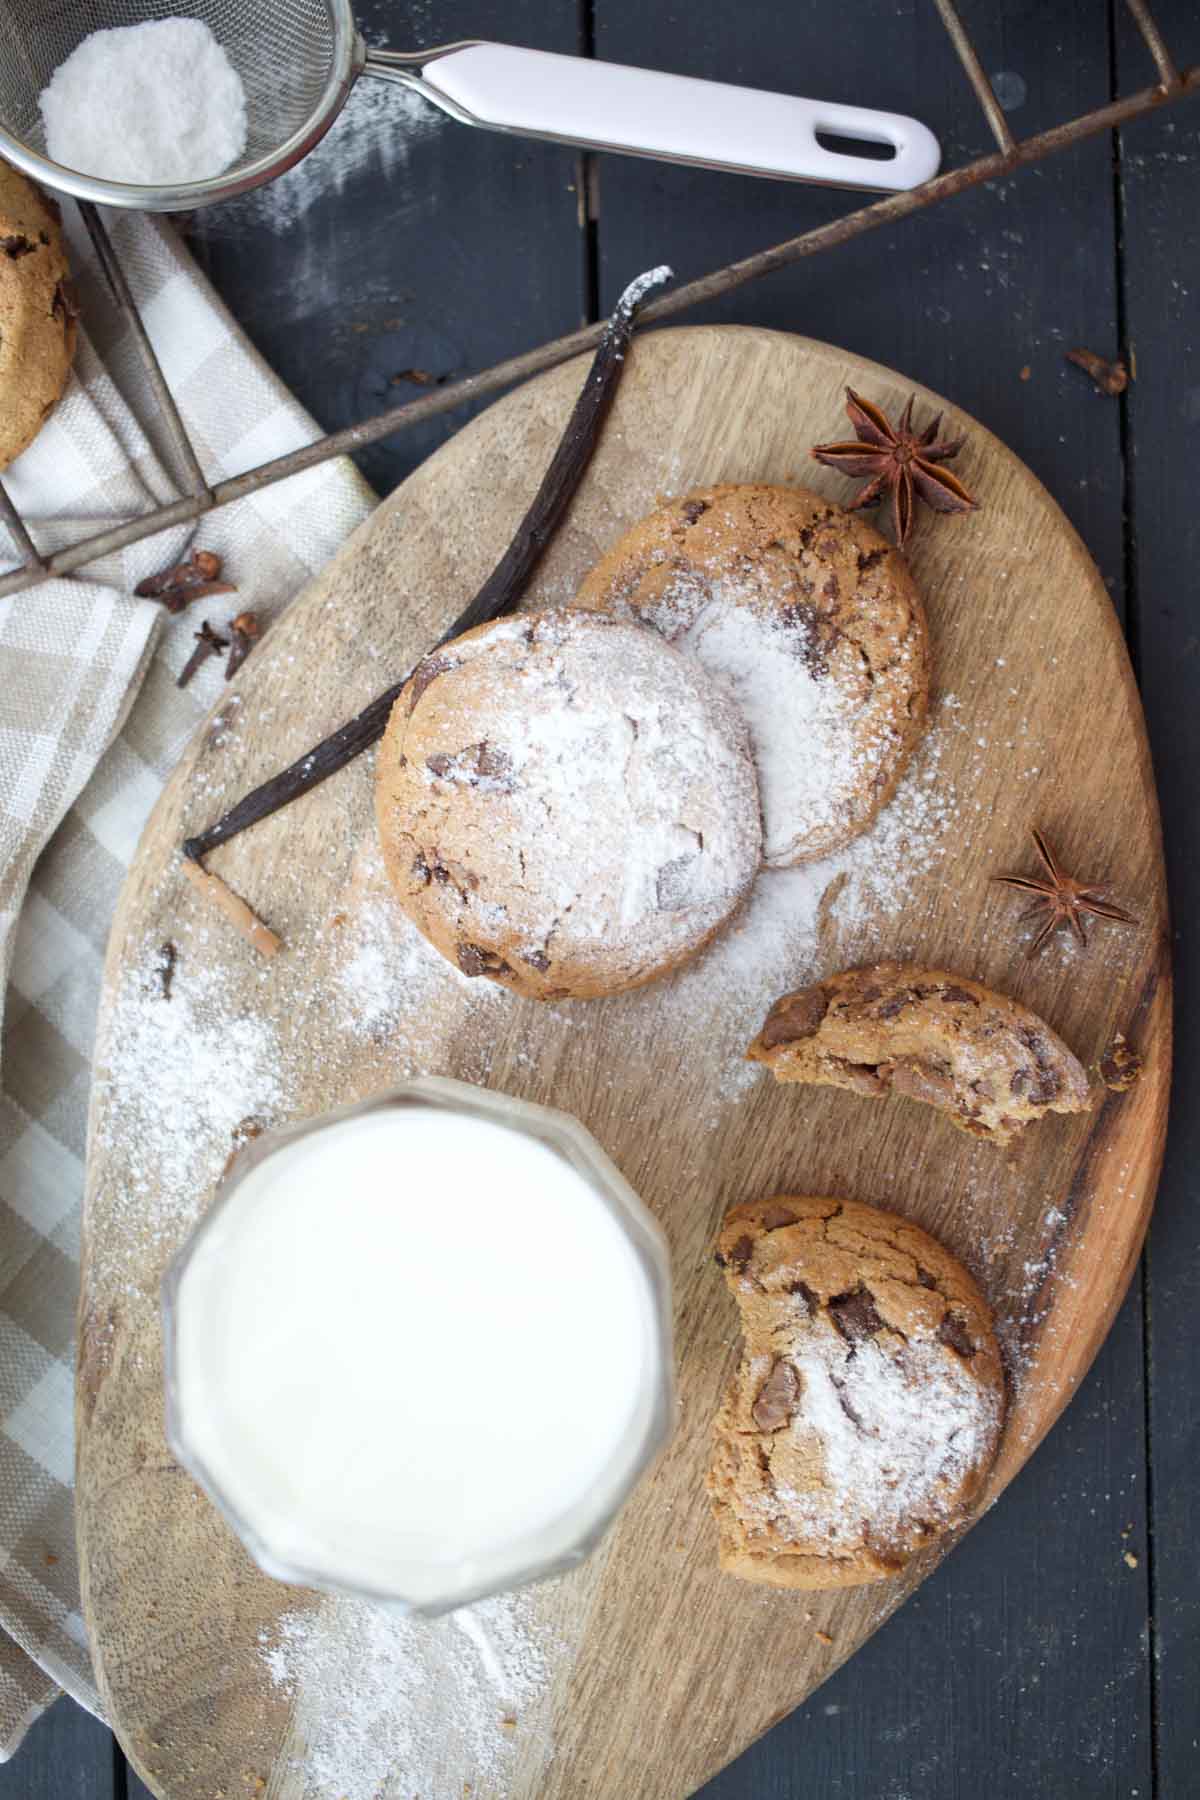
pixel 184 582
pixel 1111 378
pixel 244 631
pixel 501 593
pixel 208 643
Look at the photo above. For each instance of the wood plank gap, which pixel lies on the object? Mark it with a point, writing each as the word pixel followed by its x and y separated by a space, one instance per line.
pixel 1129 584
pixel 120 1772
pixel 588 179
pixel 1133 631
pixel 1149 1547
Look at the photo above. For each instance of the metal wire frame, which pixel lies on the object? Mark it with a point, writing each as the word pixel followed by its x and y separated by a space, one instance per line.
pixel 201 497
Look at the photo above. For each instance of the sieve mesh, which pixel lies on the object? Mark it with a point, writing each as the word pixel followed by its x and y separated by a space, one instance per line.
pixel 282 49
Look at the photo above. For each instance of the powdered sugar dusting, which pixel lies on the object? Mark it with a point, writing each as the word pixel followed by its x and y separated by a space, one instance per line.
pixel 375 133
pixel 802 726
pixel 391 972
pixel 363 1682
pixel 377 1700
pixel 823 723
pixel 184 1076
pixel 899 1435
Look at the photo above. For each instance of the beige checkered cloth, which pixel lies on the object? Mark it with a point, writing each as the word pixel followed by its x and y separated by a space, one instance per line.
pixel 91 722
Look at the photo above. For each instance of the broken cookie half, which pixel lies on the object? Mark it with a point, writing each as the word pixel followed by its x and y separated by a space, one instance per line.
pixel 868 1404
pixel 986 1062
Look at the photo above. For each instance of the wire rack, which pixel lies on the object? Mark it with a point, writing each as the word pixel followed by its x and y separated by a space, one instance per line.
pixel 201 496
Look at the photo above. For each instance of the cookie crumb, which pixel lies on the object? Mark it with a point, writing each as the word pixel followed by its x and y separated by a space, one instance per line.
pixel 822 1637
pixel 1120 1066
pixel 1026 372
pixel 1130 1560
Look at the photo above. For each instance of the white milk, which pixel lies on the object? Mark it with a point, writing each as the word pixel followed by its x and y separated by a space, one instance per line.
pixel 410 1343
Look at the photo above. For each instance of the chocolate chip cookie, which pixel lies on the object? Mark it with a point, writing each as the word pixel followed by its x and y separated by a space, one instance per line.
pixel 868 1403
pixel 37 312
pixel 812 621
pixel 984 1061
pixel 567 804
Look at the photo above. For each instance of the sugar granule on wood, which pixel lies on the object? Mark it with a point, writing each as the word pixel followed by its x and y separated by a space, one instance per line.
pixel 155 103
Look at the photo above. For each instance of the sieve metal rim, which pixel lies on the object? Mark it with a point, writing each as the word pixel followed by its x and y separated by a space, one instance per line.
pixel 346 63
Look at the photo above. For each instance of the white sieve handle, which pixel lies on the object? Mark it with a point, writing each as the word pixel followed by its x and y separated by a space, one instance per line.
pixel 606 106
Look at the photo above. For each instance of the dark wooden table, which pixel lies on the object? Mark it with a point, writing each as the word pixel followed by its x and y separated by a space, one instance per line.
pixel 1057 1653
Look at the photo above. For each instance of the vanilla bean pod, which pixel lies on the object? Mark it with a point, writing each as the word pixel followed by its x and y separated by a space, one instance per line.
pixel 500 593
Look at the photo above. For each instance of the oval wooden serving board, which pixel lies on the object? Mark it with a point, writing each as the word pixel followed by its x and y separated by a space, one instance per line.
pixel 663 1668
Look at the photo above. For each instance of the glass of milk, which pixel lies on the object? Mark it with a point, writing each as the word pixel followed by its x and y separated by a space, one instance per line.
pixel 419 1349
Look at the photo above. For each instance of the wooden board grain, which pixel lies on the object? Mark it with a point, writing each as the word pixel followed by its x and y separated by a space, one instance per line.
pixel 669 1668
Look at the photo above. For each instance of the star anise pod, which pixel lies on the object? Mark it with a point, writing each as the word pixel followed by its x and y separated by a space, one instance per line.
pixel 1063 899
pixel 899 461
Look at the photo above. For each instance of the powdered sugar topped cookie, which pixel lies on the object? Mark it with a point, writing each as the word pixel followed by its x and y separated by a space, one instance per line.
pixel 811 620
pixel 867 1407
pixel 567 804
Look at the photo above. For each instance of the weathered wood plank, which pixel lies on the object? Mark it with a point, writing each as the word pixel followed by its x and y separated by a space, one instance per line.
pixel 1160 189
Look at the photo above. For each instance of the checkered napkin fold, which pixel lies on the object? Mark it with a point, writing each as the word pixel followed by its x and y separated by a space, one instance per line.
pixel 91 722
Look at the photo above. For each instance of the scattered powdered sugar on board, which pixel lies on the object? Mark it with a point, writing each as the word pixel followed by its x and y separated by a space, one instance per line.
pixel 185 1072
pixel 433 1708
pixel 801 923
pixel 182 1077
pixel 391 971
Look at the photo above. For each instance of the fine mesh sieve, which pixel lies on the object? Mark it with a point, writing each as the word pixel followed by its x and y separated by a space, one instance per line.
pixel 298 60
